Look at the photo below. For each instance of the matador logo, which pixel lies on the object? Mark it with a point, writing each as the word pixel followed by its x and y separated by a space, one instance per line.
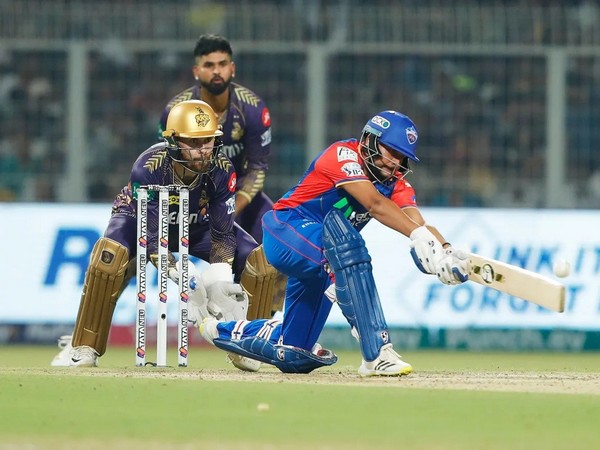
pixel 201 118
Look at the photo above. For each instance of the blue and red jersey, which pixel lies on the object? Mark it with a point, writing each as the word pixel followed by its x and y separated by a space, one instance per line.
pixel 318 191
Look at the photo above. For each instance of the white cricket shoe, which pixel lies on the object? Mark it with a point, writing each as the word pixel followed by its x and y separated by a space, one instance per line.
pixel 243 363
pixel 83 356
pixel 387 364
pixel 208 329
pixel 63 358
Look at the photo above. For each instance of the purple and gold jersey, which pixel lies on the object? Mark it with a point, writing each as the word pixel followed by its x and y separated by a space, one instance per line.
pixel 212 201
pixel 246 128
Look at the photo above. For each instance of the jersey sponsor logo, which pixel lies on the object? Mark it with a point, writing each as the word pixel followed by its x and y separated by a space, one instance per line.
pixel 230 203
pixel 380 121
pixel 203 201
pixel 345 154
pixel 134 189
pixel 411 135
pixel 352 169
pixel 265 138
pixel 194 217
pixel 348 211
pixel 308 224
pixel 266 117
pixel 237 132
pixel 232 182
pixel 232 150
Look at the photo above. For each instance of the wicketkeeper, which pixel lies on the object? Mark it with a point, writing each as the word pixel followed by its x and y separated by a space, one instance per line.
pixel 189 156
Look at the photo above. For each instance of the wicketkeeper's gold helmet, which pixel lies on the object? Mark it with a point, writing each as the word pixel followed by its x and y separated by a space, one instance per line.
pixel 192 119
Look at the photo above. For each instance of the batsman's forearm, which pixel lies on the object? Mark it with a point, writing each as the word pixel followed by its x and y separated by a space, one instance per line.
pixel 389 214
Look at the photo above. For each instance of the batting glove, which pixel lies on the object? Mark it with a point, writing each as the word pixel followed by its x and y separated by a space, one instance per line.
pixel 425 250
pixel 453 268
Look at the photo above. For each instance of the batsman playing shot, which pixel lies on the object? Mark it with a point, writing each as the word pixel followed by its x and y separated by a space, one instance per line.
pixel 189 156
pixel 312 235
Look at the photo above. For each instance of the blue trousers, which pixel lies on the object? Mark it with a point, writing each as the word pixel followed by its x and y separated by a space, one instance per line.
pixel 250 218
pixel 293 245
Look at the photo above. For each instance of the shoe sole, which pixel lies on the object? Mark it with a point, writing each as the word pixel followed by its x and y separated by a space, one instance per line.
pixel 84 365
pixel 404 371
pixel 244 363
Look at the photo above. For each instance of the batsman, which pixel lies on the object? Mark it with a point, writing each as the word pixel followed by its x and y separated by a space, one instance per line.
pixel 190 155
pixel 312 235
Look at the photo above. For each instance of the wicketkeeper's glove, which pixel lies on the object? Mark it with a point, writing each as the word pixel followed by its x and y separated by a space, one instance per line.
pixel 226 299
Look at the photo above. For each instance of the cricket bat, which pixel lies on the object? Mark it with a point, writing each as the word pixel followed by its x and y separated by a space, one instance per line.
pixel 518 282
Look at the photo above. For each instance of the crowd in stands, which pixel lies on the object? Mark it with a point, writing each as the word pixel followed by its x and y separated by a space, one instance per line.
pixel 482 117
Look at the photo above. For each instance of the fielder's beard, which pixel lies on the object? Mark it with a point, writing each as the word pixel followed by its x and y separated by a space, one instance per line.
pixel 197 167
pixel 216 88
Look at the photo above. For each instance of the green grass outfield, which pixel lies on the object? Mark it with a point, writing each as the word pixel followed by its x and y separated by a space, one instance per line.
pixel 452 401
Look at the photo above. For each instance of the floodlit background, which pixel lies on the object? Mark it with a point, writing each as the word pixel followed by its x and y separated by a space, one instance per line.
pixel 506 95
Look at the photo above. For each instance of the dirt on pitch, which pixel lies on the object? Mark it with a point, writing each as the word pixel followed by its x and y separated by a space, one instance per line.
pixel 534 382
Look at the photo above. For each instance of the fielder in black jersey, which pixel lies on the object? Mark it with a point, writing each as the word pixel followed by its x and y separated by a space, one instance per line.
pixel 245 121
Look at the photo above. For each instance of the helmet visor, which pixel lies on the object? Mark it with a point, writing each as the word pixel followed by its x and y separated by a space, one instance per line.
pixel 382 162
pixel 197 154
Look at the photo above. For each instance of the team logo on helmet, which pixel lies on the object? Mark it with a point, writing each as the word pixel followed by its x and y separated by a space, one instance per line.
pixel 201 118
pixel 380 121
pixel 411 135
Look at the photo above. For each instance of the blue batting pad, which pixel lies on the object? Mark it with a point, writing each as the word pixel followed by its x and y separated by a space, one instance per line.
pixel 355 289
pixel 286 358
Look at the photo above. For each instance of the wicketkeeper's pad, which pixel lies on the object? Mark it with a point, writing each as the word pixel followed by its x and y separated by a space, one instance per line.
pixel 264 285
pixel 104 279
